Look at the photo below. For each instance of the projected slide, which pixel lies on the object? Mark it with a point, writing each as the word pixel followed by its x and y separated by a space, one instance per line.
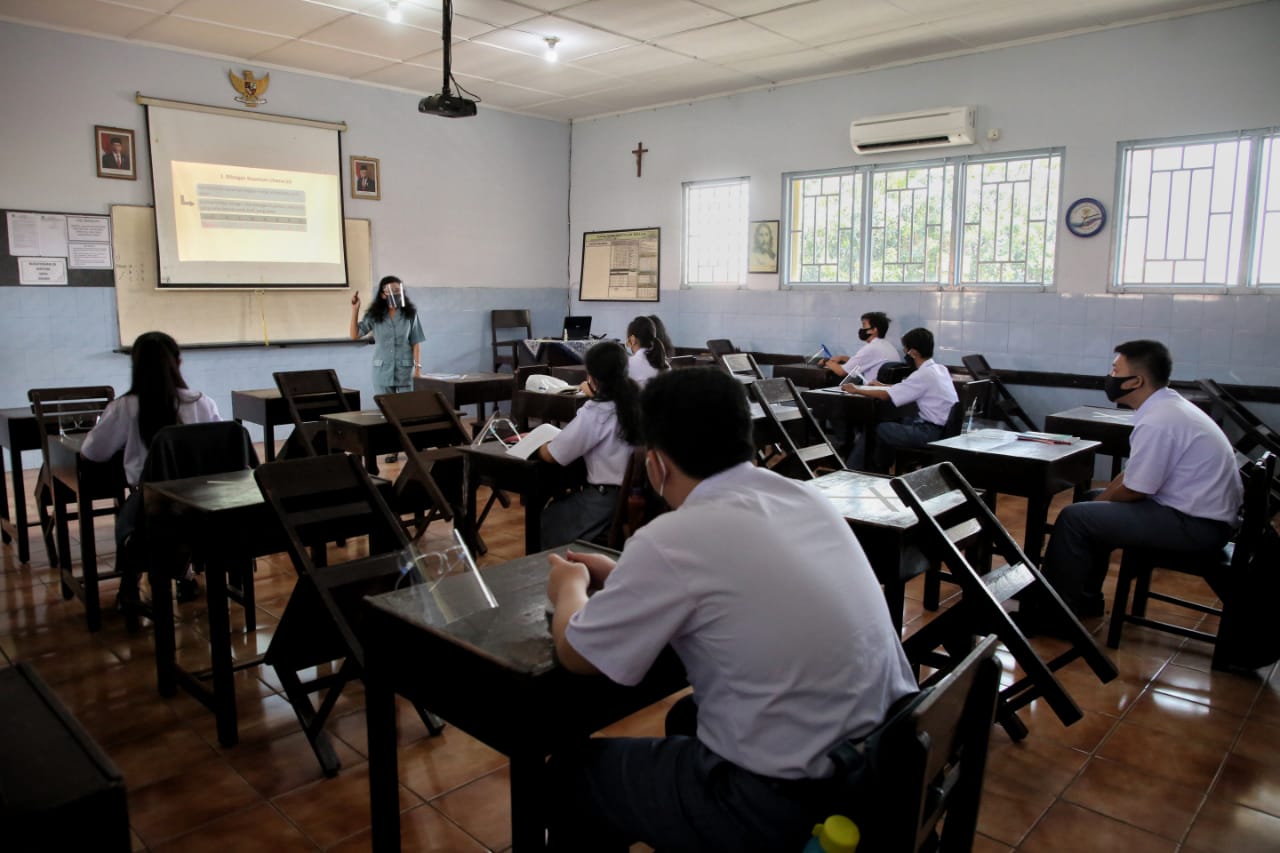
pixel 255 215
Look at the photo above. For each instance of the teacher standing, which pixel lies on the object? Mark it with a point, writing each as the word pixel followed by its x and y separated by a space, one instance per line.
pixel 397 337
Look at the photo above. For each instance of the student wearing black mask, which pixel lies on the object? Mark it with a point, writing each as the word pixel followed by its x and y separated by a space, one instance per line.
pixel 1179 491
pixel 874 354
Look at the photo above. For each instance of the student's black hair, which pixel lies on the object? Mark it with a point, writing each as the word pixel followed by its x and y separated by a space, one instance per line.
pixel 156 379
pixel 700 418
pixel 378 307
pixel 647 335
pixel 1151 357
pixel 660 330
pixel 607 365
pixel 919 339
pixel 877 320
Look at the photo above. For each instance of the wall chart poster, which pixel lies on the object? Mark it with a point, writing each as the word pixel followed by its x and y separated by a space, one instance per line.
pixel 620 266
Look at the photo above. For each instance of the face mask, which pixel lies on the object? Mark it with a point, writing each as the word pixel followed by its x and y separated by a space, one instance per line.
pixel 864 334
pixel 659 484
pixel 396 297
pixel 1111 387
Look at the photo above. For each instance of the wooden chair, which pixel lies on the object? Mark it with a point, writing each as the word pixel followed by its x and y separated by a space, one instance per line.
pixel 309 394
pixel 683 361
pixel 806 450
pixel 974 394
pixel 193 450
pixel 721 346
pixel 925 765
pixel 943 501
pixel 509 318
pixel 430 483
pixel 1004 406
pixel 57 411
pixel 1228 571
pixel 319 500
pixel 740 365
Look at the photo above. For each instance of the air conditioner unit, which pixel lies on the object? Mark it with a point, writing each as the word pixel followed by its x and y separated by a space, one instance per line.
pixel 937 128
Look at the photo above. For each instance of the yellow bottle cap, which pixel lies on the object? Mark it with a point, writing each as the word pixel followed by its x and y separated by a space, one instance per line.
pixel 838 834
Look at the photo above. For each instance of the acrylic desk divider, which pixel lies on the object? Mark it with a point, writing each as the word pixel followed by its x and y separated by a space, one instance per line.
pixel 497 428
pixel 444 576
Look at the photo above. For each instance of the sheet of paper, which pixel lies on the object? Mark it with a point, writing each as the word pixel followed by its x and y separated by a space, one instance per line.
pixel 535 439
pixel 42 270
pixel 41 234
pixel 89 256
pixel 89 229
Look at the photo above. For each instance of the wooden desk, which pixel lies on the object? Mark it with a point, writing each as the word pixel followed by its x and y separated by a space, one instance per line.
pixel 883 525
pixel 1107 425
pixel 82 481
pixel 221 518
pixel 495 676
pixel 544 406
pixel 806 375
pixel 853 411
pixel 464 389
pixel 266 407
pixel 997 461
pixel 554 351
pixel 18 432
pixel 365 433
pixel 534 480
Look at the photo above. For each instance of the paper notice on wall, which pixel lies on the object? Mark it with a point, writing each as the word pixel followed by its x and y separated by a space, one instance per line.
pixel 89 229
pixel 42 234
pixel 89 256
pixel 42 270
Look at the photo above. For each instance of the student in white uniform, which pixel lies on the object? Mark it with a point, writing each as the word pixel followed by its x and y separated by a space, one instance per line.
pixel 602 433
pixel 649 356
pixel 873 355
pixel 158 397
pixel 1180 489
pixel 760 587
pixel 929 387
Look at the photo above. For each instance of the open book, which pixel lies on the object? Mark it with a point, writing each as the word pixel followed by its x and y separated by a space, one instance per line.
pixel 534 439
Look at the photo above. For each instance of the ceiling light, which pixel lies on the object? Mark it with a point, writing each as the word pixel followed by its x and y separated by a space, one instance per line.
pixel 550 55
pixel 393 11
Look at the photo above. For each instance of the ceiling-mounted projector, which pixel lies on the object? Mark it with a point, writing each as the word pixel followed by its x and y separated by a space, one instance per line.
pixel 448 105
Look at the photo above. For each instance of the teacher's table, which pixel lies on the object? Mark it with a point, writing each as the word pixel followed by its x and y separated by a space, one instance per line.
pixel 265 406
pixel 554 351
pixel 82 481
pixel 18 432
pixel 534 480
pixel 1110 427
pixel 884 527
pixel 1001 463
pixel 464 389
pixel 364 433
pixel 494 675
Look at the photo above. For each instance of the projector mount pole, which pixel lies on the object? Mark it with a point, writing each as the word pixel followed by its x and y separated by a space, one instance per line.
pixel 447 37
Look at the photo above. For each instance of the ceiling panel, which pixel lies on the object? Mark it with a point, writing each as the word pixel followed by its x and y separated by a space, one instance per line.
pixel 729 41
pixel 150 5
pixel 633 60
pixel 793 66
pixel 77 14
pixel 376 36
pixel 826 21
pixel 743 8
pixel 207 38
pixel 646 20
pixel 576 40
pixel 503 95
pixel 322 58
pixel 498 13
pixel 405 75
pixel 285 17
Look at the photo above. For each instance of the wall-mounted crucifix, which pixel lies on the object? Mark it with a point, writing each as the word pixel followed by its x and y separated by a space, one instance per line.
pixel 639 151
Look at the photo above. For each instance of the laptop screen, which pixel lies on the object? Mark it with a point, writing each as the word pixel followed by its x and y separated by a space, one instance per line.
pixel 577 328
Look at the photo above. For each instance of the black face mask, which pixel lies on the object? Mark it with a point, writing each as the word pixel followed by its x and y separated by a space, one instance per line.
pixel 1111 387
pixel 864 334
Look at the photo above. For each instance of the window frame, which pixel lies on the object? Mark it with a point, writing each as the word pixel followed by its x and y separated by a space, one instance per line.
pixel 745 182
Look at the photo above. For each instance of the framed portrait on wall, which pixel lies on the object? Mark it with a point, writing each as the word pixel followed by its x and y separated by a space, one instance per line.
pixel 366 179
pixel 114 153
pixel 763 246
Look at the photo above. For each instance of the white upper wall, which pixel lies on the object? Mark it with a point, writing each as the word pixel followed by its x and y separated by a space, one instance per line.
pixel 1203 73
pixel 465 202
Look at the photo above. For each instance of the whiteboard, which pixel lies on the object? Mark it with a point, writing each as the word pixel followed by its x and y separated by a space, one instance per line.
pixel 222 316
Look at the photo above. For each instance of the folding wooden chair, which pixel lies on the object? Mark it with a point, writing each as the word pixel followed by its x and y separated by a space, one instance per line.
pixel 806 450
pixel 309 394
pixel 1228 571
pixel 1004 406
pixel 720 346
pixel 980 610
pixel 68 411
pixel 508 318
pixel 740 365
pixel 973 395
pixel 430 483
pixel 318 500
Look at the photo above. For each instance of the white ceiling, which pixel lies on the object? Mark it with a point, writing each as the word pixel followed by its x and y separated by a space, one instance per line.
pixel 615 55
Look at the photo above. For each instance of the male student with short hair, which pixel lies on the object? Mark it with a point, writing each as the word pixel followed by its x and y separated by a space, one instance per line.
pixel 875 353
pixel 759 586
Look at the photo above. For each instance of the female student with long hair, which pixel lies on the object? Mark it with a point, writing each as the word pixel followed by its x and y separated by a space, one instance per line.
pixel 660 329
pixel 648 353
pixel 158 397
pixel 602 433
pixel 397 337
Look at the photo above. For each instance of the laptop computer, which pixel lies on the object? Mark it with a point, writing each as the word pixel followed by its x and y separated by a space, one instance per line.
pixel 577 328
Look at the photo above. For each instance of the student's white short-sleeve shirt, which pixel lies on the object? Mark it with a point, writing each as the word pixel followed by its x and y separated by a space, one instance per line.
pixel 930 388
pixel 1182 459
pixel 870 358
pixel 639 368
pixel 760 587
pixel 118 427
pixel 594 436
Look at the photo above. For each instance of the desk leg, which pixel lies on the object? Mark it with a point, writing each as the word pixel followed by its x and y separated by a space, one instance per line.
pixel 384 786
pixel 4 507
pixel 1037 519
pixel 470 482
pixel 88 558
pixel 533 503
pixel 62 531
pixel 162 620
pixel 224 685
pixel 269 441
pixel 528 783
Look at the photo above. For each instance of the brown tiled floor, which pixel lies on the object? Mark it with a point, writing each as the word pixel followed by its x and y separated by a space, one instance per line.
pixel 1168 757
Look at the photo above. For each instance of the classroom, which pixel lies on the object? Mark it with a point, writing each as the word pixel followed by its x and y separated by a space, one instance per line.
pixel 489 212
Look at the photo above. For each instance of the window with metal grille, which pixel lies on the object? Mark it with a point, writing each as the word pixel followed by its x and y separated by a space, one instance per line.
pixel 1008 223
pixel 909 227
pixel 1199 212
pixel 715 232
pixel 824 233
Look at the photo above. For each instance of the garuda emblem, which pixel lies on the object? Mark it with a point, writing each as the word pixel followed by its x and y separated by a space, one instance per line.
pixel 251 89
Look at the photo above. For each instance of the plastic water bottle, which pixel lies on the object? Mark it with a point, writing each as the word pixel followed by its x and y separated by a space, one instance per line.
pixel 836 834
pixel 969 416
